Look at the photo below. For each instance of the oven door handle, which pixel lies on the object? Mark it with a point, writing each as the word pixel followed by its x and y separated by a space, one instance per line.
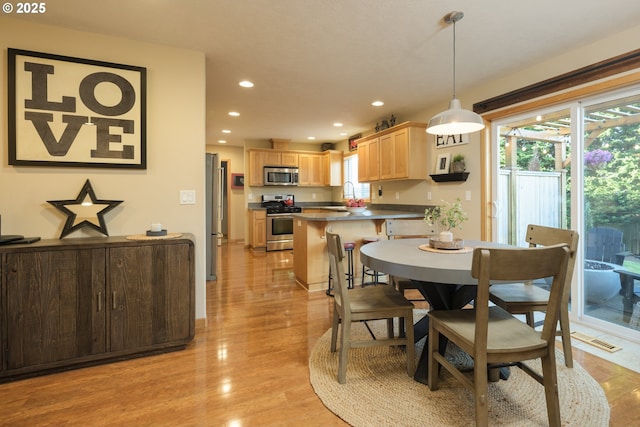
pixel 280 214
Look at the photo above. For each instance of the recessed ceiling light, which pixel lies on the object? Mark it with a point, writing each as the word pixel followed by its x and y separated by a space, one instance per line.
pixel 222 141
pixel 377 103
pixel 311 137
pixel 337 124
pixel 343 134
pixel 246 83
pixel 234 113
pixel 226 131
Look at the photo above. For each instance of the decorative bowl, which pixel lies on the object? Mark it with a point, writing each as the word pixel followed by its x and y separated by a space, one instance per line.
pixel 439 244
pixel 357 209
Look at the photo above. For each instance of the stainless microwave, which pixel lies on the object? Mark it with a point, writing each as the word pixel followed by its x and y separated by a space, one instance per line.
pixel 280 175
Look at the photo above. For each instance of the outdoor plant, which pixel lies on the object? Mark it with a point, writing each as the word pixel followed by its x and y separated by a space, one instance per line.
pixel 448 216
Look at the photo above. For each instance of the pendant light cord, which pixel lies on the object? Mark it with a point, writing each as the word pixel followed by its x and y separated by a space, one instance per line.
pixel 454 59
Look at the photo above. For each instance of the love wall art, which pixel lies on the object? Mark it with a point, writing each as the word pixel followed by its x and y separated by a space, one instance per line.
pixel 66 111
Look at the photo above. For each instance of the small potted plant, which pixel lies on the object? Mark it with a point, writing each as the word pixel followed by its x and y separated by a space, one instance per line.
pixel 447 216
pixel 457 164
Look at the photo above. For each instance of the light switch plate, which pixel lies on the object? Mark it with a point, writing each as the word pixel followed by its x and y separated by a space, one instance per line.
pixel 187 197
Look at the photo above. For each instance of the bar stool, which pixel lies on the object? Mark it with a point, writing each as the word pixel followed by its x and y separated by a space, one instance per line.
pixel 349 274
pixel 375 275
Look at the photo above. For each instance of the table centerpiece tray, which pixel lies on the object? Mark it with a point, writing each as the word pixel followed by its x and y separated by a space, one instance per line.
pixel 454 246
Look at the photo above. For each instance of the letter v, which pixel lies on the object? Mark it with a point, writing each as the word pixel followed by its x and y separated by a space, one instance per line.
pixel 41 123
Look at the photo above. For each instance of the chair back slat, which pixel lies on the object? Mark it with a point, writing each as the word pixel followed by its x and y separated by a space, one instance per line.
pixel 398 228
pixel 492 265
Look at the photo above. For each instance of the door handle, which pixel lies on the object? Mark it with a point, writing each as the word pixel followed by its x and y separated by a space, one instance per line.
pixel 113 300
pixel 99 301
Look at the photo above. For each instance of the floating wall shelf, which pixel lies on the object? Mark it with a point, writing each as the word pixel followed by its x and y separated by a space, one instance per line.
pixel 450 177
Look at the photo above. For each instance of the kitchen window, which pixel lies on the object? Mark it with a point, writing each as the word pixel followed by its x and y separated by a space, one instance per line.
pixel 350 174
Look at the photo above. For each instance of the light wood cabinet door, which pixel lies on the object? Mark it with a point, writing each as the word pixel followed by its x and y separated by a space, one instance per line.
pixel 332 168
pixel 258 230
pixel 256 168
pixel 55 306
pixel 150 296
pixel 310 171
pixel 289 159
pixel 394 155
pixel 369 160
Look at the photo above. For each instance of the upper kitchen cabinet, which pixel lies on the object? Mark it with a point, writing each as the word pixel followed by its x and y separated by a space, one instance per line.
pixel 369 159
pixel 396 153
pixel 310 172
pixel 315 169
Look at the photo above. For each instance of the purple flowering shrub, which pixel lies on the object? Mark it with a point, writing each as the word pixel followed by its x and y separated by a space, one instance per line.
pixel 597 158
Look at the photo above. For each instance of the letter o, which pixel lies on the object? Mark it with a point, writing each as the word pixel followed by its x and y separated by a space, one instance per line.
pixel 87 94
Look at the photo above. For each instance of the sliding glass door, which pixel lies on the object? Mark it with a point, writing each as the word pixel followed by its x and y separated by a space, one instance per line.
pixel 578 166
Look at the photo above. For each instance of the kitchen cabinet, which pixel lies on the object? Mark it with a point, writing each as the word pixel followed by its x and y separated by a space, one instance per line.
pixel 77 302
pixel 258 159
pixel 310 173
pixel 315 169
pixel 332 168
pixel 258 229
pixel 396 153
pixel 369 160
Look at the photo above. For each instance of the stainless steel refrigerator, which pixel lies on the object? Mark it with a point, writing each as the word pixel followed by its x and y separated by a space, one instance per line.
pixel 214 211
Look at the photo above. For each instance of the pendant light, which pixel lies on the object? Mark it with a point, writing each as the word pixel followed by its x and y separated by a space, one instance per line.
pixel 455 120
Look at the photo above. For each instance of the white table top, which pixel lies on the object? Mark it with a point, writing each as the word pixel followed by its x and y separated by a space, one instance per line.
pixel 404 258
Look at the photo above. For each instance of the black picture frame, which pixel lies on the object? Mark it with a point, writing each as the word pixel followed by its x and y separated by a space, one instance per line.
pixel 75 112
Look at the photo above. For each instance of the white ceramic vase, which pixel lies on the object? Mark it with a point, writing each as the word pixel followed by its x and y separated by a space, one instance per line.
pixel 446 236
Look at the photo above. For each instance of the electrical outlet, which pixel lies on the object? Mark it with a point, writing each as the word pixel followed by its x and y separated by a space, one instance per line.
pixel 397 196
pixel 467 195
pixel 313 196
pixel 428 195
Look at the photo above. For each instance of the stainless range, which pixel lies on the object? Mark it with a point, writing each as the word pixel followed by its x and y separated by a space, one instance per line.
pixel 279 220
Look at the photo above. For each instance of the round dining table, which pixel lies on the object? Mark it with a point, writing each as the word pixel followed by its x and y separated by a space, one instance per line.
pixel 442 276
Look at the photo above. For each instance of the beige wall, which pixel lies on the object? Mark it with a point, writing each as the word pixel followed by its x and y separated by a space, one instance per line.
pixel 175 146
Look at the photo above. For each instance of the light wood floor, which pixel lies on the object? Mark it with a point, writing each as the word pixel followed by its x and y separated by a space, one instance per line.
pixel 246 367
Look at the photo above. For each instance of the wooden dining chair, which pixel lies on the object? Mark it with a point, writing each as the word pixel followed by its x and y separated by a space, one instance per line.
pixel 361 304
pixel 526 298
pixel 492 336
pixel 403 229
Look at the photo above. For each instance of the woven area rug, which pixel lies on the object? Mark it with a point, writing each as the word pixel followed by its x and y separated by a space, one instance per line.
pixel 379 391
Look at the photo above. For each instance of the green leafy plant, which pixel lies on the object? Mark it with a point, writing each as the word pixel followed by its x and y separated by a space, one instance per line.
pixel 450 215
pixel 458 158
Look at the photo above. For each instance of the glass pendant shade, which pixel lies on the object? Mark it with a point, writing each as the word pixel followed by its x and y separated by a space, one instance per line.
pixel 455 121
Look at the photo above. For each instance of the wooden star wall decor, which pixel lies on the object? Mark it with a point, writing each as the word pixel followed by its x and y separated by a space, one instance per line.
pixel 85 211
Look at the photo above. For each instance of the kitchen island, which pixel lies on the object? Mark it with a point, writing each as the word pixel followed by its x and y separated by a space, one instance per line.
pixel 310 257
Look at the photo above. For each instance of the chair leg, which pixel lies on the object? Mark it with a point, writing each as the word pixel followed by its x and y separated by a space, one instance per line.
pixel 530 320
pixel 433 342
pixel 334 328
pixel 550 381
pixel 565 332
pixel 343 355
pixel 410 348
pixel 480 386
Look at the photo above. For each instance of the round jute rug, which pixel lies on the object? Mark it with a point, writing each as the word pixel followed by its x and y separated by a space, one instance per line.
pixel 379 392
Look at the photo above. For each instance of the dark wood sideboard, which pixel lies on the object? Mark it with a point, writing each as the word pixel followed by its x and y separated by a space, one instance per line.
pixel 71 303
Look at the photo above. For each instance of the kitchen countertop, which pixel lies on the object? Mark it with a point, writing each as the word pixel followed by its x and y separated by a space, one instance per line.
pixel 366 215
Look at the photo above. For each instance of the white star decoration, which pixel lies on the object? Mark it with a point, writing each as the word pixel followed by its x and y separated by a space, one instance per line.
pixel 85 210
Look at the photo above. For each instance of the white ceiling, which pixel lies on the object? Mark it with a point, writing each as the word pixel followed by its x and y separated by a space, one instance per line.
pixel 316 62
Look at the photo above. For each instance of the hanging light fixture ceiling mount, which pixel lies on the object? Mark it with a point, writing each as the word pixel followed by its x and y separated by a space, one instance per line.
pixel 455 120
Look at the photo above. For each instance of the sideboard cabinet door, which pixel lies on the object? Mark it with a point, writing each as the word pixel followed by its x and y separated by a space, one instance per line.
pixel 54 306
pixel 150 295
